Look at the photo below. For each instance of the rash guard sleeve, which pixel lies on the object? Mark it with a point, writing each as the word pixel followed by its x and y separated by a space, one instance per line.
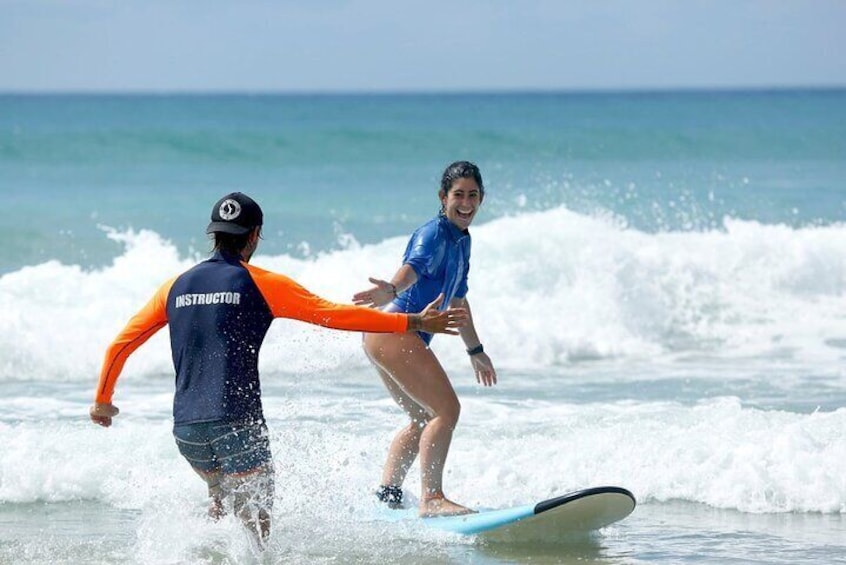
pixel 426 251
pixel 288 299
pixel 141 327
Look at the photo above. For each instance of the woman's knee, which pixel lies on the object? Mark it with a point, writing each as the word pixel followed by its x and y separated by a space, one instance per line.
pixel 449 413
pixel 417 425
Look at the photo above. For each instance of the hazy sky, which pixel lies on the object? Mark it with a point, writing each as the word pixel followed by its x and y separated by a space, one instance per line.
pixel 381 45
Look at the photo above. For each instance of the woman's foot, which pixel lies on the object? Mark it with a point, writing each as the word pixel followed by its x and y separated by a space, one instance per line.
pixel 440 506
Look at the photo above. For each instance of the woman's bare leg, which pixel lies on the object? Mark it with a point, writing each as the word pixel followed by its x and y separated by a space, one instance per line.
pixel 421 381
pixel 406 443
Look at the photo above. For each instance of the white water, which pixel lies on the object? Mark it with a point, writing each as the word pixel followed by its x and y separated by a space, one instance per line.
pixel 698 370
pixel 551 288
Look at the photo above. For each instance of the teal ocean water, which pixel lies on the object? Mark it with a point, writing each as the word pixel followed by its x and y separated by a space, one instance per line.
pixel 660 279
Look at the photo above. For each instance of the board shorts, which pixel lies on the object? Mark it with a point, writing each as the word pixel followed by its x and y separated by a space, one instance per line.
pixel 228 447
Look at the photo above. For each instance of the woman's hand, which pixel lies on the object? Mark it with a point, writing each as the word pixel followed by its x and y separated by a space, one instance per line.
pixel 377 296
pixel 482 365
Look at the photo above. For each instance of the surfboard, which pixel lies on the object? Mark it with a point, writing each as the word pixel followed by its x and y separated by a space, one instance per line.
pixel 575 512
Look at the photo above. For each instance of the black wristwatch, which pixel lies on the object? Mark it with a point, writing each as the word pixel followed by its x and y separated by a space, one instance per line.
pixel 476 350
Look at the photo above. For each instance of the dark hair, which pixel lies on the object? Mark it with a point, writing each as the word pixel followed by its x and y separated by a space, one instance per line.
pixel 461 170
pixel 231 243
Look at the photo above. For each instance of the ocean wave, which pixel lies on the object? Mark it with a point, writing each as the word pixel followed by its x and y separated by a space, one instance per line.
pixel 547 288
pixel 717 452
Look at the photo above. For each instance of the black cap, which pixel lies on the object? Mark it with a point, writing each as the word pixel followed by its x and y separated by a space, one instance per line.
pixel 235 213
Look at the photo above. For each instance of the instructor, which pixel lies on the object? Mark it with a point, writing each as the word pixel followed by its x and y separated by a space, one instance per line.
pixel 218 313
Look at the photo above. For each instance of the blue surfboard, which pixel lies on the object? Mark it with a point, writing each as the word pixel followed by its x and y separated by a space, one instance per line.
pixel 580 511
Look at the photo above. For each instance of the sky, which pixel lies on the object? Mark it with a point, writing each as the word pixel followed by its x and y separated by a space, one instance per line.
pixel 428 45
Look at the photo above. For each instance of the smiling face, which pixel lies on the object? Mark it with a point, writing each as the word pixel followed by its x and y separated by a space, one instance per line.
pixel 461 202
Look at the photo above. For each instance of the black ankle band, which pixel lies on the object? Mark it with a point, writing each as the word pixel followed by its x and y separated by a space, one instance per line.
pixel 390 494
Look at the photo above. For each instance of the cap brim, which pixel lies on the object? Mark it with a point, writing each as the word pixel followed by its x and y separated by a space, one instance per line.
pixel 227 227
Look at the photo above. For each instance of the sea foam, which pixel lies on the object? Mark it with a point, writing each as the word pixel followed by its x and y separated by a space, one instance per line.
pixel 546 288
pixel 717 452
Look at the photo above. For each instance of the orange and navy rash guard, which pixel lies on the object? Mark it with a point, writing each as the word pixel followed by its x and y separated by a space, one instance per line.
pixel 219 312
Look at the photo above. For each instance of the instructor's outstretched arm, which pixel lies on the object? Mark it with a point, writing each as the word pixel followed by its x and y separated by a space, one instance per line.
pixel 431 320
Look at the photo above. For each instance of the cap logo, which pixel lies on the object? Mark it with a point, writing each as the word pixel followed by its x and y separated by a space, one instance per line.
pixel 229 209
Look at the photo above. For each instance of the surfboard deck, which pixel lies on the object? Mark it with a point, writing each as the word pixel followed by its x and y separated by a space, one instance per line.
pixel 575 512
pixel 580 511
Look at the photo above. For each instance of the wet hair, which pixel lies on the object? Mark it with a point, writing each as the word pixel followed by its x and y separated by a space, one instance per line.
pixel 461 170
pixel 231 243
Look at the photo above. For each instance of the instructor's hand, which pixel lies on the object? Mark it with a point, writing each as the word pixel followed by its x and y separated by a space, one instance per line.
pixel 102 413
pixel 434 321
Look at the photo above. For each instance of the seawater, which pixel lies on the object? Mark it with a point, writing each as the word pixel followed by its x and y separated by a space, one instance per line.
pixel 658 277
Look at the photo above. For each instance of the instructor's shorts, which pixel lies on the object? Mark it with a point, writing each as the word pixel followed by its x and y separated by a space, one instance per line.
pixel 231 448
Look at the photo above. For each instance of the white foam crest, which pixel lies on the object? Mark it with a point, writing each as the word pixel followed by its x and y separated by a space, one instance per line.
pixel 560 287
pixel 64 461
pixel 717 452
pixel 552 287
pixel 58 319
pixel 557 287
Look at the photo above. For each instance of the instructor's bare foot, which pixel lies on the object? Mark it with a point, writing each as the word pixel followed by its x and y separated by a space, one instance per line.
pixel 440 506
